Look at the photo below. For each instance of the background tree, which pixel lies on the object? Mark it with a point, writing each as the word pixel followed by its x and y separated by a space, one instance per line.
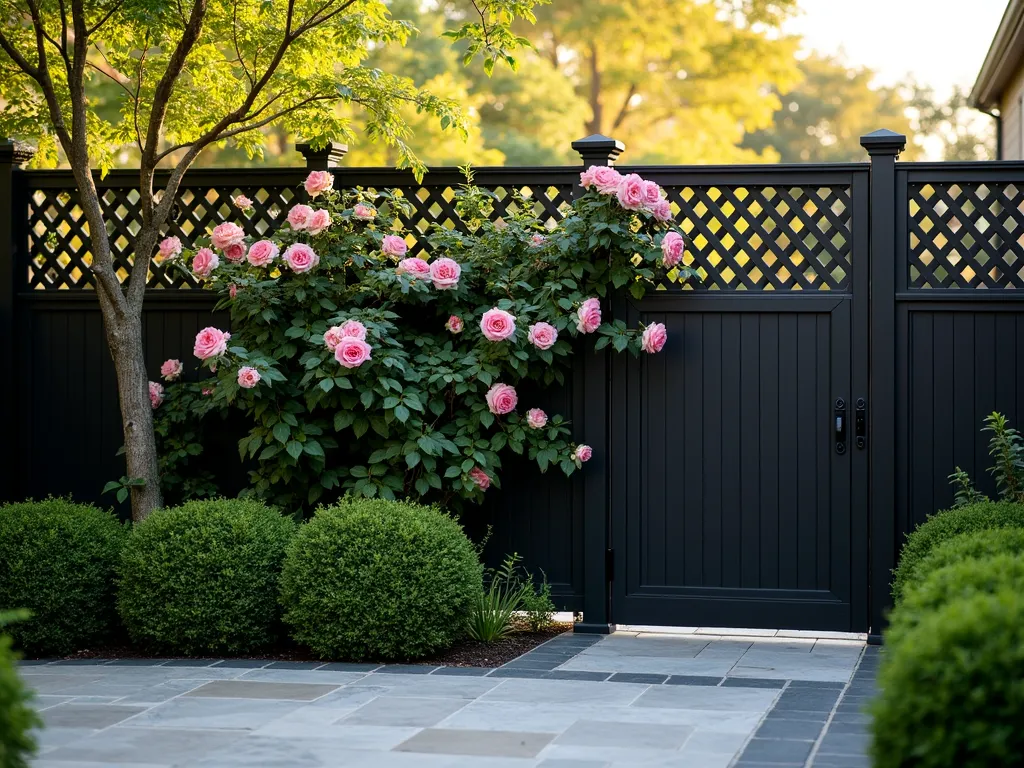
pixel 191 75
pixel 957 131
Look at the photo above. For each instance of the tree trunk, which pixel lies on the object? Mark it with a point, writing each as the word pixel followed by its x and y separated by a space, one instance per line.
pixel 596 105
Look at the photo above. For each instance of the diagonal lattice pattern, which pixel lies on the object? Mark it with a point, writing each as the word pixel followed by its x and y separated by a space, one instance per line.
pixel 759 238
pixel 965 235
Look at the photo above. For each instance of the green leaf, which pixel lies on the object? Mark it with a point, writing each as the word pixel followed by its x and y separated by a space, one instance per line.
pixel 294 449
pixel 327 385
pixel 281 432
pixel 412 459
pixel 313 448
pixel 401 413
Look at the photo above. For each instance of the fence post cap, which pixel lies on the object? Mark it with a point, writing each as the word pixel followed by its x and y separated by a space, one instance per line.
pixel 328 156
pixel 883 142
pixel 598 148
pixel 16 152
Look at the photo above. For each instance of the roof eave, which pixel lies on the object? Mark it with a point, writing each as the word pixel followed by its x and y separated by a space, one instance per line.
pixel 1002 60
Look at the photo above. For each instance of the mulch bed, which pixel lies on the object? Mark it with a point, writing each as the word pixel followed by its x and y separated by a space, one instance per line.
pixel 466 653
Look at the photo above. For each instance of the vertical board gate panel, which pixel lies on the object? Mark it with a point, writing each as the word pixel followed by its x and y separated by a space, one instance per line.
pixel 730 503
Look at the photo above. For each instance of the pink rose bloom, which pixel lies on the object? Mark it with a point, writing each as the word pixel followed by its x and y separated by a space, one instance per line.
pixel 204 262
pixel 542 335
pixel 352 352
pixel 300 257
pixel 353 329
pixel 414 268
pixel 445 273
pixel 299 216
pixel 171 369
pixel 235 252
pixel 536 418
pixel 478 476
pixel 587 177
pixel 333 337
pixel 262 253
pixel 318 182
pixel 242 203
pixel 248 377
pixel 169 247
pixel 604 179
pixel 226 234
pixel 156 394
pixel 654 338
pixel 211 342
pixel 582 453
pixel 662 210
pixel 207 390
pixel 454 324
pixel 588 316
pixel 631 193
pixel 497 324
pixel 652 192
pixel 319 221
pixel 364 211
pixel 393 245
pixel 232 290
pixel 501 399
pixel 538 240
pixel 672 248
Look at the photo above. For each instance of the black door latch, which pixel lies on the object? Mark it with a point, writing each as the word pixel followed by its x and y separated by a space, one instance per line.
pixel 860 425
pixel 840 425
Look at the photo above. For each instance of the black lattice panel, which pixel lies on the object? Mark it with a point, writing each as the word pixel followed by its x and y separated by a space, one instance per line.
pixel 966 235
pixel 765 238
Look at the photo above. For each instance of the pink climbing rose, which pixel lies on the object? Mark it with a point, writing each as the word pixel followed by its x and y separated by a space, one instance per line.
pixel 536 418
pixel 454 324
pixel 232 290
pixel 364 211
pixel 299 216
pixel 654 338
pixel 662 210
pixel 538 240
pixel 497 324
pixel 478 476
pixel 652 193
pixel 333 337
pixel 248 377
pixel 207 390
pixel 393 245
pixel 263 252
pixel 588 316
pixel 242 203
pixel 211 342
pixel 169 247
pixel 631 192
pixel 672 248
pixel 319 221
pixel 171 369
pixel 603 178
pixel 156 394
pixel 582 453
pixel 414 267
pixel 501 399
pixel 353 329
pixel 318 182
pixel 225 234
pixel 352 352
pixel 235 252
pixel 204 262
pixel 445 273
pixel 542 335
pixel 300 257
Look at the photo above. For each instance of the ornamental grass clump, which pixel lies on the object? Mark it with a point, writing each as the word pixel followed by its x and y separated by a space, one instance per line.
pixel 379 362
pixel 378 579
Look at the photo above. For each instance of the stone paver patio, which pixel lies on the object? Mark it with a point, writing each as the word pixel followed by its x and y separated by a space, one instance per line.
pixel 628 699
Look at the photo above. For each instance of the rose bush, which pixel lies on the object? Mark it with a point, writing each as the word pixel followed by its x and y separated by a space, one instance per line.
pixel 368 366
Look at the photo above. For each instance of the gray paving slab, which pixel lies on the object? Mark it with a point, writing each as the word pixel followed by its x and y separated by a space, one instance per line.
pixel 603 733
pixel 703 698
pixel 477 743
pixel 244 714
pixel 142 745
pixel 564 691
pixel 251 689
pixel 74 715
pixel 403 711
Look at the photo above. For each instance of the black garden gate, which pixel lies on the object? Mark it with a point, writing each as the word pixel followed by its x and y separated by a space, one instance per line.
pixel 855 324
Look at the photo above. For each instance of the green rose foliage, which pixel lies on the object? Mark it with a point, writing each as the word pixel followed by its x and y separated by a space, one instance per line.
pixel 413 420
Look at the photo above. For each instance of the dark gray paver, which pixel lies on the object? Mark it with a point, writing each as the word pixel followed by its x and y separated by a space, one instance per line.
pixel 405 669
pixel 479 743
pixel 752 682
pixel 790 729
pixel 243 663
pixel 295 665
pixel 571 674
pixel 777 750
pixel 137 662
pixel 72 715
pixel 524 673
pixel 463 671
pixel 347 666
pixel 638 677
pixel 693 680
pixel 191 662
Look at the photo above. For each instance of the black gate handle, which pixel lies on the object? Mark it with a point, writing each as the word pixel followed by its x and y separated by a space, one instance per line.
pixel 840 425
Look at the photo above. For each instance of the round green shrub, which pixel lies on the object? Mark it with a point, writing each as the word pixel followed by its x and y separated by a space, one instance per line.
pixel 203 577
pixel 956 581
pixel 57 559
pixel 369 578
pixel 952 693
pixel 945 525
pixel 17 717
pixel 969 546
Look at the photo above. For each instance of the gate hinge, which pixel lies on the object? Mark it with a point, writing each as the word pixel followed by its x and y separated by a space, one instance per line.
pixel 609 564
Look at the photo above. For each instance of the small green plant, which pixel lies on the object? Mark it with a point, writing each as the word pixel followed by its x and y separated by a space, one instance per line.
pixel 17 717
pixel 1006 447
pixel 538 606
pixel 510 592
pixel 123 487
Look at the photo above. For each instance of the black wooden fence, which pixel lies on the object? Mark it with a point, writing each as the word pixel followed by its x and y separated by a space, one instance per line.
pixel 856 323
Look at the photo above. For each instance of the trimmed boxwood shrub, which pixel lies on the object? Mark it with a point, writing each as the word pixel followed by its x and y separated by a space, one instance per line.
pixel 369 578
pixel 969 546
pixel 203 577
pixel 57 559
pixel 17 717
pixel 944 526
pixel 951 690
pixel 956 581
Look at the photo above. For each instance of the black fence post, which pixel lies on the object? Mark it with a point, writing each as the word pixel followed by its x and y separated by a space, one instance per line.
pixel 13 220
pixel 591 380
pixel 325 158
pixel 883 147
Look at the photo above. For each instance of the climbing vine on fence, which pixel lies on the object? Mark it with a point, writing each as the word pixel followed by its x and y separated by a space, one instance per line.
pixel 363 369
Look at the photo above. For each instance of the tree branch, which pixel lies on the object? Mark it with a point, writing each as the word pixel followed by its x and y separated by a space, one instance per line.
pixel 624 109
pixel 106 17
